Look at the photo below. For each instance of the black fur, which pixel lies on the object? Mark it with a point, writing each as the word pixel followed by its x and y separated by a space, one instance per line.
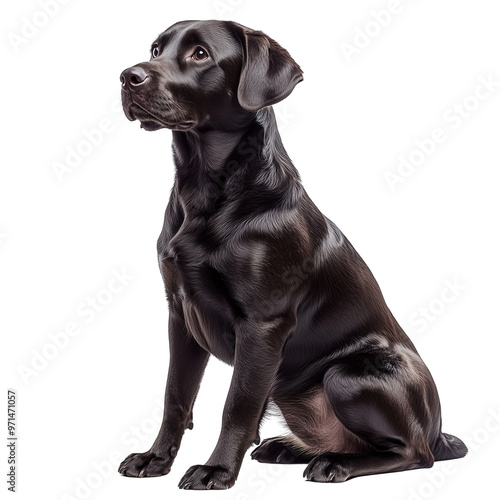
pixel 257 276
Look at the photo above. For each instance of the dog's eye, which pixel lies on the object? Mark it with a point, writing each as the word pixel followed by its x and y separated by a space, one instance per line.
pixel 155 51
pixel 200 54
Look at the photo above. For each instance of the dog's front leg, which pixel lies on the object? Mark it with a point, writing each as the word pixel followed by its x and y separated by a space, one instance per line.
pixel 187 364
pixel 257 356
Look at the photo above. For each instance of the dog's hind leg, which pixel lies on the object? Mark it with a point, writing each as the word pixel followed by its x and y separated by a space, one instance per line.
pixel 388 400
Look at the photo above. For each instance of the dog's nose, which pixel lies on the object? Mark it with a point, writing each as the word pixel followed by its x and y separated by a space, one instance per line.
pixel 133 77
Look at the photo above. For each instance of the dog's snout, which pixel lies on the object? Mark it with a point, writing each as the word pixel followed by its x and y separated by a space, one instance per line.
pixel 133 77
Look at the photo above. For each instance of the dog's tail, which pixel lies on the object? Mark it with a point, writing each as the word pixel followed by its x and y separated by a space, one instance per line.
pixel 448 447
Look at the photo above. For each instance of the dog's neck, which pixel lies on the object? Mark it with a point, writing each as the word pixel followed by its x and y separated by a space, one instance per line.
pixel 210 145
pixel 209 148
pixel 205 159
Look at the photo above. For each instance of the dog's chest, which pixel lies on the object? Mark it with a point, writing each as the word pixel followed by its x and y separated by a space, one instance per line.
pixel 200 287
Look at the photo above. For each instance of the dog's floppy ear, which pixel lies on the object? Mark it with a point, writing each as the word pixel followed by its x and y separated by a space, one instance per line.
pixel 268 73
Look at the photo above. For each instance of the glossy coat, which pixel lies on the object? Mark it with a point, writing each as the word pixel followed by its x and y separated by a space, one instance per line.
pixel 257 276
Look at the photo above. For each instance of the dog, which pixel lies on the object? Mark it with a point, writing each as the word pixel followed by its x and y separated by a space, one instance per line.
pixel 257 276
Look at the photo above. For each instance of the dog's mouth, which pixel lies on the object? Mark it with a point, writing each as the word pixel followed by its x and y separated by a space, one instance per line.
pixel 150 121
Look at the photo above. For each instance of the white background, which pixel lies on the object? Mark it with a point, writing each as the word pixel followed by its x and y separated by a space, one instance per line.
pixel 344 127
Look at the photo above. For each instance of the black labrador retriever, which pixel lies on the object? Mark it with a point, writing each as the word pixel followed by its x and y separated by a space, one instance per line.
pixel 257 276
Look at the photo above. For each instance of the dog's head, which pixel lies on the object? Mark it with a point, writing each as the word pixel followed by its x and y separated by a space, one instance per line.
pixel 207 73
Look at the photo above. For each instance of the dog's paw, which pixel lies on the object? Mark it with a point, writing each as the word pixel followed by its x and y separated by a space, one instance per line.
pixel 326 469
pixel 277 451
pixel 207 477
pixel 146 464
